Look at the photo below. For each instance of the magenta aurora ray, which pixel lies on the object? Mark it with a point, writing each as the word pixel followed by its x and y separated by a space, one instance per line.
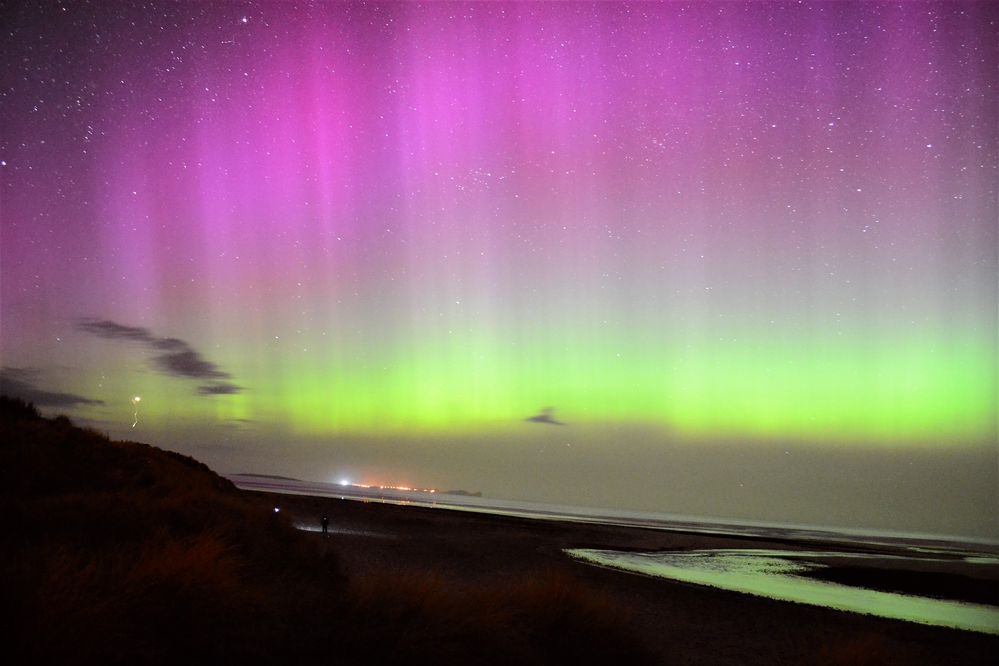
pixel 732 259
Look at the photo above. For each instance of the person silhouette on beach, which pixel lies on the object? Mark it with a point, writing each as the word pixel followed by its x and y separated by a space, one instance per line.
pixel 326 525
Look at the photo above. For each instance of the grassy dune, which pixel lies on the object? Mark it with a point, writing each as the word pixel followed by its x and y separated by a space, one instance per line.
pixel 120 552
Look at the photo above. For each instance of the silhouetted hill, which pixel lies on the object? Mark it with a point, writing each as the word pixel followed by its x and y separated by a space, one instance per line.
pixel 124 552
pixel 119 552
pixel 463 493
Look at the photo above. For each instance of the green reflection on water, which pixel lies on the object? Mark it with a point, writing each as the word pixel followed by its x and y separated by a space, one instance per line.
pixel 774 574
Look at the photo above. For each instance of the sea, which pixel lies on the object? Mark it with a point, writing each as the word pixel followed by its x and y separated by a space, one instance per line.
pixel 788 575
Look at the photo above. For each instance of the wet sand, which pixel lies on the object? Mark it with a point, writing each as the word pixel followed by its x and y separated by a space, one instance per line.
pixel 681 623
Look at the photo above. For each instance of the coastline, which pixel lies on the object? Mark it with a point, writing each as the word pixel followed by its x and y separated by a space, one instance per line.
pixel 680 622
pixel 701 525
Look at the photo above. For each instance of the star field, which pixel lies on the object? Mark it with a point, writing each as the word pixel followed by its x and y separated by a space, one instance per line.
pixel 407 239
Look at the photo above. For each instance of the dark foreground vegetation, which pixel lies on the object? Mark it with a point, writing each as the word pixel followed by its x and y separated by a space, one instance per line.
pixel 119 552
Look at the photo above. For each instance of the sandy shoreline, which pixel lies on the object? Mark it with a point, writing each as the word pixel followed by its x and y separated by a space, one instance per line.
pixel 681 623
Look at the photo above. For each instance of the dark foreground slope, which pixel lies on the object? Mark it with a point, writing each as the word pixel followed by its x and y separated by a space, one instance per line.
pixel 118 552
pixel 434 551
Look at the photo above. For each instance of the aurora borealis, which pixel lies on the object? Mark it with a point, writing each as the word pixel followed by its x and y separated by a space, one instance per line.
pixel 745 253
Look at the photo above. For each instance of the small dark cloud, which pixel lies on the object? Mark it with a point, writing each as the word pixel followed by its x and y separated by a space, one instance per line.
pixel 547 416
pixel 221 388
pixel 170 344
pixel 18 383
pixel 108 329
pixel 189 363
pixel 178 358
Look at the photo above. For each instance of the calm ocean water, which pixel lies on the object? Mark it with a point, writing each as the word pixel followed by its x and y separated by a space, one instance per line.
pixel 660 521
pixel 776 574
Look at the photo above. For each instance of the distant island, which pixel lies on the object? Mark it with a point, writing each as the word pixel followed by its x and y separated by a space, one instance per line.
pixel 463 493
pixel 269 476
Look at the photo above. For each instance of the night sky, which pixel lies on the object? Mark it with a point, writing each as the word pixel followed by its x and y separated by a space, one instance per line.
pixel 722 259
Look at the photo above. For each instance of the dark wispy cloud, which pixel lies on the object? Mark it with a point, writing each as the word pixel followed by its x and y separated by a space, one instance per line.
pixel 112 331
pixel 20 383
pixel 546 416
pixel 174 356
pixel 188 363
pixel 219 389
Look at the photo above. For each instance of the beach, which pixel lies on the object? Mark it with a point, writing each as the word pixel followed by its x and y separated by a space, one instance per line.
pixel 679 622
pixel 156 559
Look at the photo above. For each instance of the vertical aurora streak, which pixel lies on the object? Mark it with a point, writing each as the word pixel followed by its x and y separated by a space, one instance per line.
pixel 764 223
